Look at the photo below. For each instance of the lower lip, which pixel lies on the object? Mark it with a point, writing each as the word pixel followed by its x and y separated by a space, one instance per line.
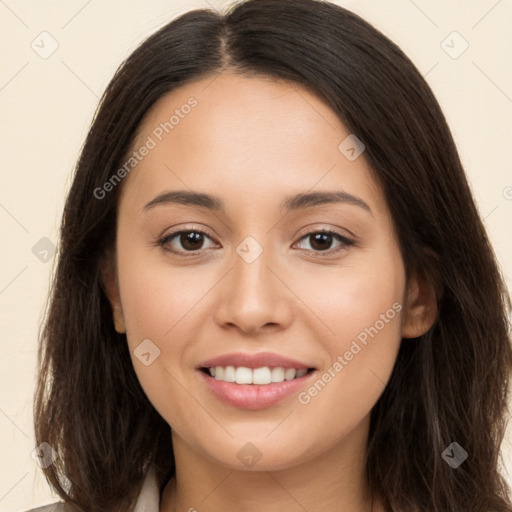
pixel 253 396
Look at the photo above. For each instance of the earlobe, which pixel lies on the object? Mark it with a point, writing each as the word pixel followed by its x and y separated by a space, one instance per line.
pixel 111 288
pixel 420 310
pixel 118 317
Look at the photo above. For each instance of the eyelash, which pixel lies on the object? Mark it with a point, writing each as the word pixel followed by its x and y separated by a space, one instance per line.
pixel 347 242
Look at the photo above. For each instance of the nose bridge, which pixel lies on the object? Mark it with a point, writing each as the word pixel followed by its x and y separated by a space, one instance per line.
pixel 252 277
pixel 252 296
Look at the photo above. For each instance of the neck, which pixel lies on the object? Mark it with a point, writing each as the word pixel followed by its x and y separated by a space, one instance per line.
pixel 333 480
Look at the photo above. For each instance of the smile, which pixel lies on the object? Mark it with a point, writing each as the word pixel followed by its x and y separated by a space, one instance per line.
pixel 258 376
pixel 251 389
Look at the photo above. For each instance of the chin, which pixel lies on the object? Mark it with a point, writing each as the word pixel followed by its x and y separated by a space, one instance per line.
pixel 262 455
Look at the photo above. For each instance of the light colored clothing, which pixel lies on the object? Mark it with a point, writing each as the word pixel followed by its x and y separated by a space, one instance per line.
pixel 147 501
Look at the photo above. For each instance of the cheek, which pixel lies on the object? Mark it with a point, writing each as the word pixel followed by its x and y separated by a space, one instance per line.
pixel 353 298
pixel 157 298
pixel 361 311
pixel 160 304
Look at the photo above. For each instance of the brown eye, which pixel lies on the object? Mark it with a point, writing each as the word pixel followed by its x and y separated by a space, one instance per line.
pixel 191 240
pixel 184 241
pixel 321 241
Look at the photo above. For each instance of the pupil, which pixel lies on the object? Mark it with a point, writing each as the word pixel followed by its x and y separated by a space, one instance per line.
pixel 321 237
pixel 189 239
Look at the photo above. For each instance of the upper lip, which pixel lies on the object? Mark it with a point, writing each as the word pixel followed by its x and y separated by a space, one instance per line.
pixel 258 360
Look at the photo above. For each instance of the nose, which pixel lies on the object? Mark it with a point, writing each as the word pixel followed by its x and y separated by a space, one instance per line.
pixel 254 296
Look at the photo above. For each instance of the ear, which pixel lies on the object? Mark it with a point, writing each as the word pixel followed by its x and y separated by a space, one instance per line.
pixel 420 309
pixel 111 288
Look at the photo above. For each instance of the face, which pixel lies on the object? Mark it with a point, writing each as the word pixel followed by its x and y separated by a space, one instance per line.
pixel 254 278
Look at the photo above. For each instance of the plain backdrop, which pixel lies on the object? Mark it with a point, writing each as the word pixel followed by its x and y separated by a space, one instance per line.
pixel 57 58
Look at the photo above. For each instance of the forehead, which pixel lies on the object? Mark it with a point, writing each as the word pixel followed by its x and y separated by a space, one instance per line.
pixel 249 134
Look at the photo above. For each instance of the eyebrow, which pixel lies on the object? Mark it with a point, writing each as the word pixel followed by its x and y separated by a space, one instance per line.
pixel 292 203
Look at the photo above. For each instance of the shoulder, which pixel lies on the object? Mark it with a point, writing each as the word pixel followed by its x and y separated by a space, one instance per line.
pixel 148 499
pixel 53 507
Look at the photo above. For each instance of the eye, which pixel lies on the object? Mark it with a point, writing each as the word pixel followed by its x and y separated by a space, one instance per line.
pixel 322 240
pixel 190 240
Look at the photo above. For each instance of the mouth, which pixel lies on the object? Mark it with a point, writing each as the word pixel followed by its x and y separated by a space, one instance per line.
pixel 262 376
pixel 254 381
pixel 254 388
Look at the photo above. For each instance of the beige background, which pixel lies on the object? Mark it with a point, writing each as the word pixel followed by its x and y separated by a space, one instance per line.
pixel 47 104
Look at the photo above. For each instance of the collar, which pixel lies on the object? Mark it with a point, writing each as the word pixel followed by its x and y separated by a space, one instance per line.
pixel 147 501
pixel 149 497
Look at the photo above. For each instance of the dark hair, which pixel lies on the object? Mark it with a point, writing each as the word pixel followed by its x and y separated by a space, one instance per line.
pixel 450 384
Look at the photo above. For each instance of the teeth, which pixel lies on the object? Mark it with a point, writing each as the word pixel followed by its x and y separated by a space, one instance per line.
pixel 242 375
pixel 229 374
pixel 277 374
pixel 259 376
pixel 289 373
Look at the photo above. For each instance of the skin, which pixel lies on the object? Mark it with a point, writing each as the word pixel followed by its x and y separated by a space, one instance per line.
pixel 253 142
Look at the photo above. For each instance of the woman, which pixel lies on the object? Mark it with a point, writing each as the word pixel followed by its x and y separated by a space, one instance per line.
pixel 274 291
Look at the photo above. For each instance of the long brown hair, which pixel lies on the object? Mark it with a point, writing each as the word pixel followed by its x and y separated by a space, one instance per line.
pixel 450 385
